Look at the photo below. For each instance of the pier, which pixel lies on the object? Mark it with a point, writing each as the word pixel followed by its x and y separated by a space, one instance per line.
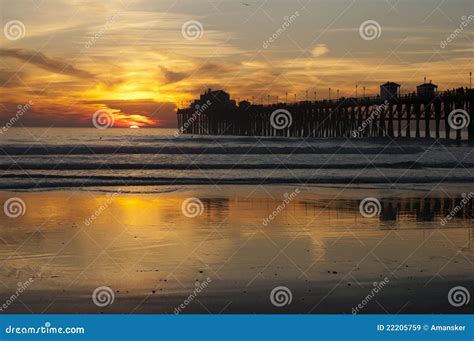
pixel 424 114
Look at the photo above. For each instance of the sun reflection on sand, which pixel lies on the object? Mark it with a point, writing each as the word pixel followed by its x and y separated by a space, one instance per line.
pixel 139 242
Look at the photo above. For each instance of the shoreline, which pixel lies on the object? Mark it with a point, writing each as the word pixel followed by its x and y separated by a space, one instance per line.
pixel 136 182
pixel 455 188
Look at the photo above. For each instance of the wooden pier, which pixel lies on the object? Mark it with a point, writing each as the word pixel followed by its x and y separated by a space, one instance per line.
pixel 408 115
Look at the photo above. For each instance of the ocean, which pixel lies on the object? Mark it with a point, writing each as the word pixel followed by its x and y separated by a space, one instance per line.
pixel 150 217
pixel 39 158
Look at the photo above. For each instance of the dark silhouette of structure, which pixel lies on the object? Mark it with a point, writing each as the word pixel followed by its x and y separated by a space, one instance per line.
pixel 388 114
pixel 426 89
pixel 389 90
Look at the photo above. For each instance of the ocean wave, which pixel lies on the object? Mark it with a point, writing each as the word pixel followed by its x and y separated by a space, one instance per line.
pixel 118 181
pixel 244 150
pixel 215 166
pixel 134 190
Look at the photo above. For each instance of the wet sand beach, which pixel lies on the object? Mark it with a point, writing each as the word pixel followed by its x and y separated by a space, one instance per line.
pixel 236 245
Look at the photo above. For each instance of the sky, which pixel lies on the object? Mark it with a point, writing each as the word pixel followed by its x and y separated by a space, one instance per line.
pixel 132 58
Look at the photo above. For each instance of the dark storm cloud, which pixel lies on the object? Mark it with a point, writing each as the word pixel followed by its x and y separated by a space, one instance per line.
pixel 40 60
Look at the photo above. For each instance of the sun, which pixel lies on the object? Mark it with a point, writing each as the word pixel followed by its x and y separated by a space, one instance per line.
pixel 134 127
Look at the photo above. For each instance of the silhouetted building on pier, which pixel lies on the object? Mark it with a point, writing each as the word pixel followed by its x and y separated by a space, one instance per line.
pixel 216 98
pixel 244 105
pixel 389 90
pixel 426 89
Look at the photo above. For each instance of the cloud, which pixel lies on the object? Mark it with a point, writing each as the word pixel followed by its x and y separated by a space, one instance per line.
pixel 320 50
pixel 46 63
pixel 173 76
pixel 215 67
pixel 145 111
pixel 10 79
pixel 201 70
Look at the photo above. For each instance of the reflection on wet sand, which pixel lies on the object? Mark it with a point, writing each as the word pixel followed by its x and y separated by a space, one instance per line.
pixel 427 209
pixel 151 254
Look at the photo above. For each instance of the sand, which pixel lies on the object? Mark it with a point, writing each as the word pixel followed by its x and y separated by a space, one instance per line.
pixel 245 242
